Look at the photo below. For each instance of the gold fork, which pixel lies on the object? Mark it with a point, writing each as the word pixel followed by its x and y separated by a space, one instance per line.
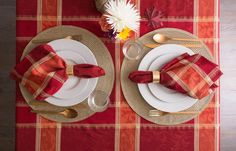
pixel 161 113
pixel 74 37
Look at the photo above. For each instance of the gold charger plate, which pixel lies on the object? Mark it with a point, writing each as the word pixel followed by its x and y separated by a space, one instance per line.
pixel 131 91
pixel 104 60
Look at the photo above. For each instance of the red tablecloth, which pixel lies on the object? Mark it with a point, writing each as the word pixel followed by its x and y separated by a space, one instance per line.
pixel 118 128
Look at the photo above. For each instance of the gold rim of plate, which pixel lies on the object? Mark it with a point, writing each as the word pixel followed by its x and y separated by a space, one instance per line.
pixel 131 91
pixel 104 60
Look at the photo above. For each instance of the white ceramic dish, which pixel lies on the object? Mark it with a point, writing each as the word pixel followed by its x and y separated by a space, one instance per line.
pixel 144 89
pixel 75 90
pixel 73 84
pixel 160 91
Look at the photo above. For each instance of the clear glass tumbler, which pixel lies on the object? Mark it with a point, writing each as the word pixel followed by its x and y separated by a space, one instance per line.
pixel 98 101
pixel 132 50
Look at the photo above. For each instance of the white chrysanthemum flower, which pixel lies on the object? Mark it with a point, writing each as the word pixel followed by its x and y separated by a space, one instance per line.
pixel 122 14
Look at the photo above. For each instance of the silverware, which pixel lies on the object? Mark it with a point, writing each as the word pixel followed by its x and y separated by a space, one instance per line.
pixel 161 113
pixel 68 113
pixel 74 37
pixel 186 45
pixel 159 38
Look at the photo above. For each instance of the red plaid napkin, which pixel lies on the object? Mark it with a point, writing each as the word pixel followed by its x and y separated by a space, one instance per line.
pixel 193 75
pixel 43 72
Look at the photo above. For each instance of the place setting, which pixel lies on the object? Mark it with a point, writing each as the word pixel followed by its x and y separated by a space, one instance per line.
pixel 66 74
pixel 168 76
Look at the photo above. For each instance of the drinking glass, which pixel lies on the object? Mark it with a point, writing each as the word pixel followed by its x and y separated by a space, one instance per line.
pixel 98 101
pixel 132 50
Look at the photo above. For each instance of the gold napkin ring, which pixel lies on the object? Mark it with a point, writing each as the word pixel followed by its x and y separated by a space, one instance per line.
pixel 156 76
pixel 69 70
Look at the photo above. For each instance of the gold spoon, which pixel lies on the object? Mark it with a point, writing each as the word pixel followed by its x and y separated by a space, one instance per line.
pixel 161 113
pixel 159 38
pixel 68 113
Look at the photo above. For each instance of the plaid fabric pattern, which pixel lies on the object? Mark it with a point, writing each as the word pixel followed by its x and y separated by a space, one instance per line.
pixel 43 72
pixel 119 128
pixel 193 75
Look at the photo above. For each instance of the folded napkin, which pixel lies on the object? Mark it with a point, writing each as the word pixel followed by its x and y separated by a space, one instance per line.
pixel 192 75
pixel 43 72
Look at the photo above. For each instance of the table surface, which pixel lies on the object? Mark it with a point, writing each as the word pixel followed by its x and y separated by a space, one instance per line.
pixel 227 59
pixel 228 80
pixel 7 88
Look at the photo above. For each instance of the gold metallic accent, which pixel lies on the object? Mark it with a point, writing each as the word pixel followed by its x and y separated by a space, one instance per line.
pixel 156 76
pixel 161 113
pixel 67 113
pixel 46 40
pixel 69 70
pixel 162 38
pixel 152 45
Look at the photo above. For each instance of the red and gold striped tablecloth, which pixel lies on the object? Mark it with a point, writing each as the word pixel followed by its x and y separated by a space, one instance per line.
pixel 118 128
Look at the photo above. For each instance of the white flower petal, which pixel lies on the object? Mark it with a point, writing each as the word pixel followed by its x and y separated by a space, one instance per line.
pixel 122 14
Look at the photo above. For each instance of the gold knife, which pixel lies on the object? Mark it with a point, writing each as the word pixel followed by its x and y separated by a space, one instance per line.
pixel 74 37
pixel 185 45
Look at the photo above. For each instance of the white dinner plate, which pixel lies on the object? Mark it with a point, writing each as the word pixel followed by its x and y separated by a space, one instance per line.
pixel 73 84
pixel 83 87
pixel 145 91
pixel 160 91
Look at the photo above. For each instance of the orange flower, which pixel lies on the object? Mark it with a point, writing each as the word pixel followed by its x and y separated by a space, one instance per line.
pixel 103 23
